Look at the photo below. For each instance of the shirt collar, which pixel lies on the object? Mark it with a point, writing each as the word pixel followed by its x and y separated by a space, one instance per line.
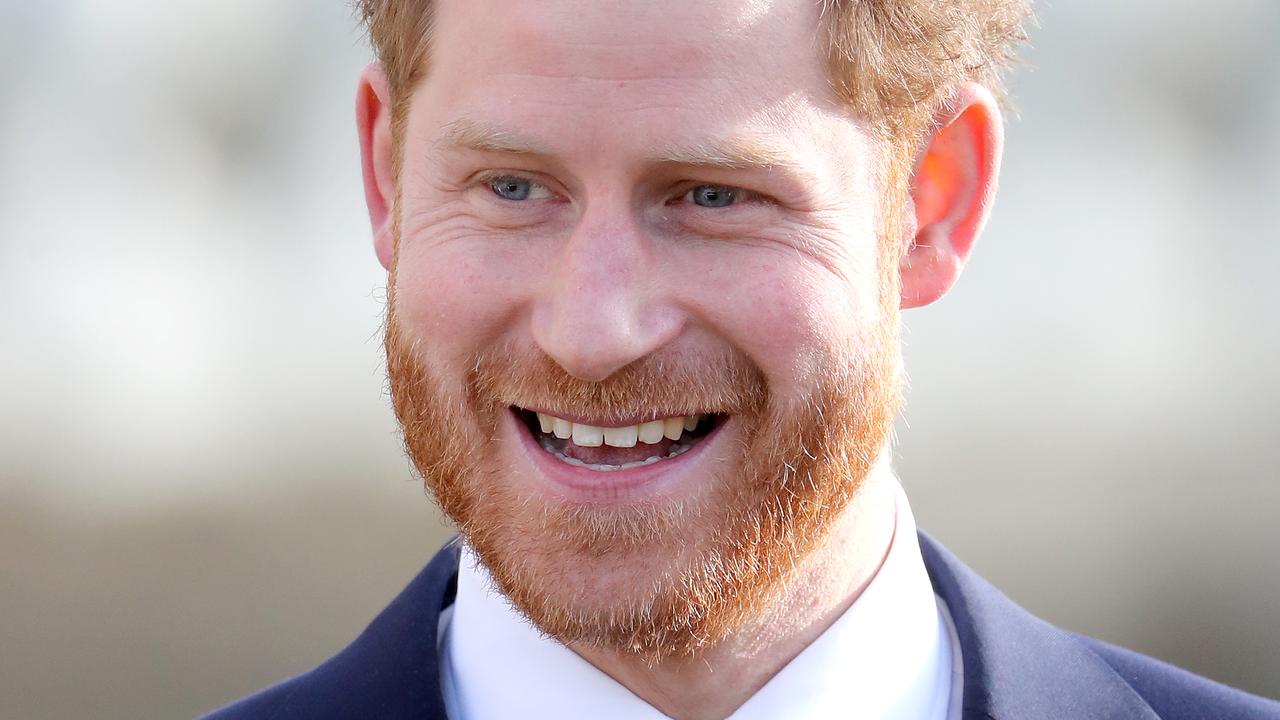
pixel 888 656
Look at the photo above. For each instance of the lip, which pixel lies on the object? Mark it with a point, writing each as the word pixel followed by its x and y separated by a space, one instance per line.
pixel 578 484
pixel 615 422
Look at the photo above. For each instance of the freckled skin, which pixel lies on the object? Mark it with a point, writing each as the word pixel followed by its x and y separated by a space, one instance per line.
pixel 612 262
pixel 612 241
pixel 622 210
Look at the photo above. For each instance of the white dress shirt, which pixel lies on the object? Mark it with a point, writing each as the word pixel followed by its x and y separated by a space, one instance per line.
pixel 891 655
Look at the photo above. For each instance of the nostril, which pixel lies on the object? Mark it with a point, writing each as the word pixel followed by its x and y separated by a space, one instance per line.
pixel 592 335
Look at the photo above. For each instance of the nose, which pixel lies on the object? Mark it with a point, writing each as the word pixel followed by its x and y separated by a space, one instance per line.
pixel 605 304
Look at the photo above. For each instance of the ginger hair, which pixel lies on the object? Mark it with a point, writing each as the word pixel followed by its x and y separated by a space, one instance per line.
pixel 893 61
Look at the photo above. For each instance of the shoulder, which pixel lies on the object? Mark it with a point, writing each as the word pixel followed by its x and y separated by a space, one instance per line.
pixel 1176 694
pixel 262 705
pixel 390 671
pixel 1016 665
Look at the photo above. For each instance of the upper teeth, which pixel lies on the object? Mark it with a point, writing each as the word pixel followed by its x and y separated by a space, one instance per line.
pixel 650 433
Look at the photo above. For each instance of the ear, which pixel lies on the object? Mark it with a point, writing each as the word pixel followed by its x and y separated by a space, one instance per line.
pixel 952 191
pixel 373 121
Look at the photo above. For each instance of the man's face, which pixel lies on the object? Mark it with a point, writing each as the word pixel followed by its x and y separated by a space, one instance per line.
pixel 627 215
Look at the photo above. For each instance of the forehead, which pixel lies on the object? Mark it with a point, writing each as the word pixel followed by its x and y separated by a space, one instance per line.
pixel 607 72
pixel 628 37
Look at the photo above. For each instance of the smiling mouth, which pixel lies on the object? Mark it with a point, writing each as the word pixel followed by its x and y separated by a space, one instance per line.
pixel 608 449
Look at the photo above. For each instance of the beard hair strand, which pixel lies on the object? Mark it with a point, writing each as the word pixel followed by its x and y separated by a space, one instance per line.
pixel 656 579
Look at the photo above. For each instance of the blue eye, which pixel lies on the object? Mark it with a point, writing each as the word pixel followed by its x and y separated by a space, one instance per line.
pixel 713 196
pixel 516 188
pixel 511 188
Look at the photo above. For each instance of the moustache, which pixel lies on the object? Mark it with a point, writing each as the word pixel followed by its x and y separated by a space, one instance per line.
pixel 666 383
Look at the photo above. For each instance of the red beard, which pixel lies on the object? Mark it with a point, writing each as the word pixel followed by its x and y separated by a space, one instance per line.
pixel 654 578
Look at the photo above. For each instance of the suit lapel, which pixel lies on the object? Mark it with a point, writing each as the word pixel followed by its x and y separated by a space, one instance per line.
pixel 1018 666
pixel 392 670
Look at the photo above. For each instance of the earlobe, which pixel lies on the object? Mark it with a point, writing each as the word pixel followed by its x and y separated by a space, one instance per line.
pixel 373 122
pixel 952 191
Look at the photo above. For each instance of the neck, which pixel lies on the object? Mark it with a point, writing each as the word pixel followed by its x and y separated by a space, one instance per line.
pixel 717 682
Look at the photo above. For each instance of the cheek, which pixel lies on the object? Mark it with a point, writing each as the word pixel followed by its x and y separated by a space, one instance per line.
pixel 458 295
pixel 793 318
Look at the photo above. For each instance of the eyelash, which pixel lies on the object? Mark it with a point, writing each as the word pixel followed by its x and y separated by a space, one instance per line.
pixel 485 182
pixel 744 196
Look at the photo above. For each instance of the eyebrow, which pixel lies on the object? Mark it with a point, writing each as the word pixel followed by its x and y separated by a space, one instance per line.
pixel 468 134
pixel 745 152
pixel 742 153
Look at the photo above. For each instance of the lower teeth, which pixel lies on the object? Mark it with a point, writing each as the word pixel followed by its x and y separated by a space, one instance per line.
pixel 604 467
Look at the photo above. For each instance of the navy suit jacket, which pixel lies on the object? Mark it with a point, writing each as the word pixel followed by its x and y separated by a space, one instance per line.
pixel 1015 665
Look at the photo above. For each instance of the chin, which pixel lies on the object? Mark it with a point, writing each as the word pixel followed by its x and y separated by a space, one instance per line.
pixel 620 567
pixel 631 597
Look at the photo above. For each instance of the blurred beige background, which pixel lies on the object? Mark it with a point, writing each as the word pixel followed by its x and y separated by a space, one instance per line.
pixel 201 490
